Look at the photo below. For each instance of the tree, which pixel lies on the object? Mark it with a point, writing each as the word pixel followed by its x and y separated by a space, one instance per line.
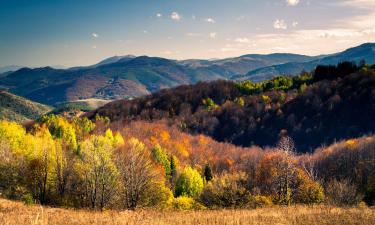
pixel 286 170
pixel 98 171
pixel 41 160
pixel 161 157
pixel 137 172
pixel 189 183
pixel 174 167
pixel 208 172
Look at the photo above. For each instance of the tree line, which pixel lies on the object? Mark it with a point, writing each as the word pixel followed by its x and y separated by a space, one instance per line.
pixel 316 108
pixel 100 165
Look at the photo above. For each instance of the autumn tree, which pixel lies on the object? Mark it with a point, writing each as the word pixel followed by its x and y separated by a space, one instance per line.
pixel 97 170
pixel 137 172
pixel 189 183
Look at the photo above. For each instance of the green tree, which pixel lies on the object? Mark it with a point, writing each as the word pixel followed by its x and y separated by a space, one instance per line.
pixel 208 172
pixel 189 183
pixel 161 157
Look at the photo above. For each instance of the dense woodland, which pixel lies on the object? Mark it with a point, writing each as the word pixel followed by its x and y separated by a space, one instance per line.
pixel 141 155
pixel 330 104
pixel 83 164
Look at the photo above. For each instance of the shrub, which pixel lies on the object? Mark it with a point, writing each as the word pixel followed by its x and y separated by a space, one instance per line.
pixel 227 191
pixel 342 193
pixel 186 203
pixel 28 199
pixel 260 201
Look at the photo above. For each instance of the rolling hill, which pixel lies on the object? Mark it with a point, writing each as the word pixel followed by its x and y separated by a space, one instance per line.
pixel 127 77
pixel 19 109
pixel 314 110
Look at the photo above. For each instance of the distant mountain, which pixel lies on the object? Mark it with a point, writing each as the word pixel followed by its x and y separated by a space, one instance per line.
pixel 126 77
pixel 363 52
pixel 6 69
pixel 243 64
pixel 15 108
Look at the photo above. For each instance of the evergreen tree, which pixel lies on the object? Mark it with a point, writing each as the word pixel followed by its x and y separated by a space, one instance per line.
pixel 208 172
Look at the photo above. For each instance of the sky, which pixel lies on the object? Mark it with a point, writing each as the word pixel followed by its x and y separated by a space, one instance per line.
pixel 82 32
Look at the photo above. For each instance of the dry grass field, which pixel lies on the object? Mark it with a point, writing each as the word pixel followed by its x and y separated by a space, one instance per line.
pixel 16 213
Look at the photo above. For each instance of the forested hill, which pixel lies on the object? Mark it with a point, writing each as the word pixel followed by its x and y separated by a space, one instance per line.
pixel 16 108
pixel 330 104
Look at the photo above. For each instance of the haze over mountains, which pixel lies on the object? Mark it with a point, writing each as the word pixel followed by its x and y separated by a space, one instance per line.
pixel 129 76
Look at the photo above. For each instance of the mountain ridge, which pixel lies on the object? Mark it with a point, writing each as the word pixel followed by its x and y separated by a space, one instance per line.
pixel 127 77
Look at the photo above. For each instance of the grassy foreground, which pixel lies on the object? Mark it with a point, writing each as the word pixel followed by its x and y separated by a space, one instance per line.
pixel 12 213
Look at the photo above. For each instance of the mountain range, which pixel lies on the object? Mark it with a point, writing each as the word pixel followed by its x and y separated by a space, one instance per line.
pixel 127 77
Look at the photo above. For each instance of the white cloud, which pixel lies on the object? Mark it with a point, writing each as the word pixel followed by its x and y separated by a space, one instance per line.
pixel 193 34
pixel 175 16
pixel 295 24
pixel 280 25
pixel 213 35
pixel 193 17
pixel 242 40
pixel 292 2
pixel 210 20
pixel 95 35
pixel 145 31
pixel 94 46
pixel 159 15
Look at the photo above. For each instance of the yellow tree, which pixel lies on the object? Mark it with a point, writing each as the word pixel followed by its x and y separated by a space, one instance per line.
pixel 97 170
pixel 41 154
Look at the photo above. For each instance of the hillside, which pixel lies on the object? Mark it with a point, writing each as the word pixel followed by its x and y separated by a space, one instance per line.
pixel 364 52
pixel 19 109
pixel 313 110
pixel 126 77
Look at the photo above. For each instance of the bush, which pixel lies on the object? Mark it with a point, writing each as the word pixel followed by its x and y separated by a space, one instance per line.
pixel 260 201
pixel 342 193
pixel 28 199
pixel 308 191
pixel 186 203
pixel 227 191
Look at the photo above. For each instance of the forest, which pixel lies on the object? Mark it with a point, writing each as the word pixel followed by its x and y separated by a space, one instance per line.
pixel 196 147
pixel 318 108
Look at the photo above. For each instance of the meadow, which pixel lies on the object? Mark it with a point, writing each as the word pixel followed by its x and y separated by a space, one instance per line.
pixel 15 213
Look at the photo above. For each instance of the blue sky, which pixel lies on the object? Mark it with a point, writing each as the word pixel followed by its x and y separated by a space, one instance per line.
pixel 78 32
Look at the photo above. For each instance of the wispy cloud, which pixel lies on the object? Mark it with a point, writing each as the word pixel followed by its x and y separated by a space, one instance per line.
pixel 292 2
pixel 190 34
pixel 95 35
pixel 159 15
pixel 280 25
pixel 210 20
pixel 176 16
pixel 213 35
pixel 242 40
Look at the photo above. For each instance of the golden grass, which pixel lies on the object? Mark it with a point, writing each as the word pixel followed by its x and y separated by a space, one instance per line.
pixel 16 213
